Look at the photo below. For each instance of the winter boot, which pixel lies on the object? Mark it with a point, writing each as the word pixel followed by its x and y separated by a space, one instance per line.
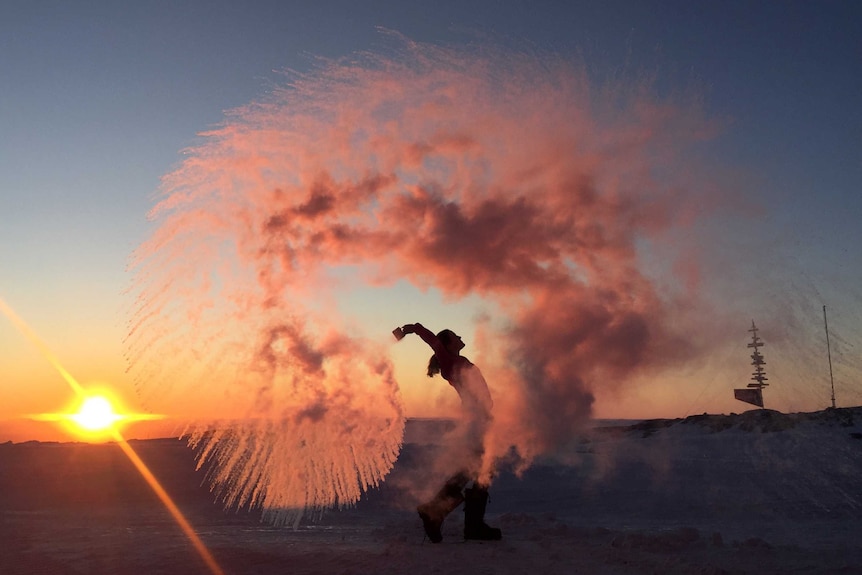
pixel 475 501
pixel 435 511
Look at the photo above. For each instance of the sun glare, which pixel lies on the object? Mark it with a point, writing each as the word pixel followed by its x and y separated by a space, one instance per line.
pixel 96 414
pixel 96 411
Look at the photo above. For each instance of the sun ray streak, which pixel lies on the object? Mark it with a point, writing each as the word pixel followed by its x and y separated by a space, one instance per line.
pixel 169 504
pixel 139 464
pixel 40 345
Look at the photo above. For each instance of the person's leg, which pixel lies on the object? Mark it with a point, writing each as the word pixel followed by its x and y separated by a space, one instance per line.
pixel 475 502
pixel 447 499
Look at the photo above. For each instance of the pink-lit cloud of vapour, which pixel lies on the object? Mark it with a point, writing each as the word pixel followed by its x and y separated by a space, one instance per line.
pixel 476 172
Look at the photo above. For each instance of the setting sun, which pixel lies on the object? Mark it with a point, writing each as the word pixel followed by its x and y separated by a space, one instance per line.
pixel 96 413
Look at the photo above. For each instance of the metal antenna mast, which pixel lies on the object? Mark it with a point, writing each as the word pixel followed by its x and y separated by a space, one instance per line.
pixel 829 355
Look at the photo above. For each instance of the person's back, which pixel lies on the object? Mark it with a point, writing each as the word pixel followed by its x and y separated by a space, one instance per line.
pixel 473 390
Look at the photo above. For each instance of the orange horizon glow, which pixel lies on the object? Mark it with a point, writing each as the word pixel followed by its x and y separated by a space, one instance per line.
pixel 94 415
pixel 97 414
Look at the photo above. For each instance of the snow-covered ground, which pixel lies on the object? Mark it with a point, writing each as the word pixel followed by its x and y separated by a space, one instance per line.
pixel 760 492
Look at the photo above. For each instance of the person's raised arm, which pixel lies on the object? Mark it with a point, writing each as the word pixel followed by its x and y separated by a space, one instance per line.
pixel 426 334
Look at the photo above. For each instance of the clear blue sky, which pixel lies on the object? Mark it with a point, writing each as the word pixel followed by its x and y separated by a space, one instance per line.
pixel 98 98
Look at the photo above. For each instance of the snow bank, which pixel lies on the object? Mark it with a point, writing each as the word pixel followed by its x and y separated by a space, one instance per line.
pixel 757 492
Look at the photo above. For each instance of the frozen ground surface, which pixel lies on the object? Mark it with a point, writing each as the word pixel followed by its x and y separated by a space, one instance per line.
pixel 760 492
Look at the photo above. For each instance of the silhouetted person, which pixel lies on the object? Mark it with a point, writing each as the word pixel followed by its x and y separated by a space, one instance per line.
pixel 476 401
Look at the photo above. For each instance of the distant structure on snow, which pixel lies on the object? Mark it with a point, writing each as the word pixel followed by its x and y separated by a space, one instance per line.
pixel 753 393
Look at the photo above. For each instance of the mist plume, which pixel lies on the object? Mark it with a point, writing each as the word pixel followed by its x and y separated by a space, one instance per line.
pixel 475 171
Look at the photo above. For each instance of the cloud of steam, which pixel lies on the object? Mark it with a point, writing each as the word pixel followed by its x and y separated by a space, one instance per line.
pixel 476 171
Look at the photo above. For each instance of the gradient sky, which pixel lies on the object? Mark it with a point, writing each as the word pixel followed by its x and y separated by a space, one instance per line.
pixel 97 100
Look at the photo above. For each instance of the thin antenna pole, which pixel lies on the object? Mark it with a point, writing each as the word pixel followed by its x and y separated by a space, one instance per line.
pixel 829 354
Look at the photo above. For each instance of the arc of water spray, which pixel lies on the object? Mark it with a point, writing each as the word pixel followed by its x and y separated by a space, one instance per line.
pixel 127 449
